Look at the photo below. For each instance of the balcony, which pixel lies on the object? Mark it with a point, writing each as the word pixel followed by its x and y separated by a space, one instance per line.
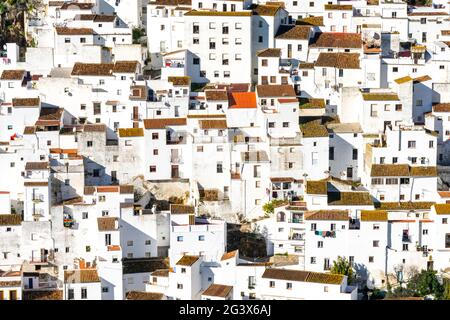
pixel 207 139
pixel 296 236
pixel 176 139
pixel 38 198
pixel 68 223
pixel 176 160
pixel 295 141
pixel 406 238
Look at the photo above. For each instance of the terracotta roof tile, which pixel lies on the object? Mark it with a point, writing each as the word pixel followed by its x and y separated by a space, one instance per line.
pixel 180 81
pixel 297 32
pixel 217 290
pixel 29 166
pixel 131 132
pixel 275 90
pixel 77 6
pixel 10 219
pixel 242 100
pixel 181 209
pixel 142 295
pixel 442 208
pixel 218 13
pixel 343 7
pixel 316 187
pixel 337 40
pixel 339 215
pixel 216 95
pixel 93 69
pixel 12 74
pixel 143 265
pixel 313 129
pixel 26 102
pixel 187 260
pixel 399 206
pixel 389 170
pixel 229 255
pixel 265 10
pixel 64 31
pixel 349 199
pixel 378 96
pixel 126 189
pixel 441 107
pixel 81 276
pixel 269 52
pixel 212 124
pixel 162 123
pixel 98 127
pixel 42 295
pixel 374 215
pixel 125 66
pixel 311 21
pixel 302 276
pixel 338 60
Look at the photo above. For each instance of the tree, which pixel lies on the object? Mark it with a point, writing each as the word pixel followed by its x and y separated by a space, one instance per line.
pixel 270 206
pixel 343 266
pixel 425 283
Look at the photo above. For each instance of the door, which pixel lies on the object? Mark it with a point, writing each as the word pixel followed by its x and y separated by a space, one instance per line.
pixel 175 172
pixel 289 51
pixel 429 265
pixel 30 283
pixel 113 176
pixel 135 114
pixel 107 239
pixel 349 173
pixel 13 295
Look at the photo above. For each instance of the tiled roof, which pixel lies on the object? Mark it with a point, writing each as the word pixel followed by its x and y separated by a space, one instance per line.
pixel 269 53
pixel 217 290
pixel 77 6
pixel 337 40
pixel 29 166
pixel 29 130
pixel 402 170
pixel 313 129
pixel 12 74
pixel 126 189
pixel 181 209
pixel 216 95
pixel 64 31
pixel 340 215
pixel 35 184
pixel 107 223
pixel 131 132
pixel 96 17
pixel 25 102
pixel 42 295
pixel 219 13
pixel 143 265
pixel 302 276
pixel 316 187
pixel 265 10
pixel 306 65
pixel 441 107
pixel 422 79
pixel 428 13
pixel 242 100
pixel 349 199
pixel 160 273
pixel 275 90
pixel 187 260
pixel 229 255
pixel 374 215
pixel 163 123
pixel 294 32
pixel 354 127
pixel 142 295
pixel 396 206
pixel 338 7
pixel 4 284
pixel 442 208
pixel 100 127
pixel 378 96
pixel 403 80
pixel 125 66
pixel 93 69
pixel 81 276
pixel 310 21
pixel 171 2
pixel 338 60
pixel 10 219
pixel 180 81
pixel 212 124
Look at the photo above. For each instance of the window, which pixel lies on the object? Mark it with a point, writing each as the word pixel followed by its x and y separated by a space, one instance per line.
pixel 219 167
pixel 212 25
pixel 196 61
pixel 195 28
pixel 257 201
pixel 105 289
pixel 425 231
pixel 313 260
pixel 96 173
pixel 180 238
pixel 371 259
pixel 289 285
pixel 394 160
pixel 183 270
pixel 333 227
pixel 395 69
pixel 447 240
pixel 130 243
pixel 260 39
pixel 226 74
pixel 319 244
pixel 398 107
pixel 152 168
pixel 155 152
pixel 341 72
pixel 66 40
pixel 199 148
pixel 376 226
pixel 88 248
pixel 444 220
pixel 201 238
pixel 313 226
pixel 70 294
pixel 355 154
pixel 155 136
pixel 196 41
pixel 272 284
pixel 405 247
pixel 238 56
pixel 89 144
pixel 376 243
